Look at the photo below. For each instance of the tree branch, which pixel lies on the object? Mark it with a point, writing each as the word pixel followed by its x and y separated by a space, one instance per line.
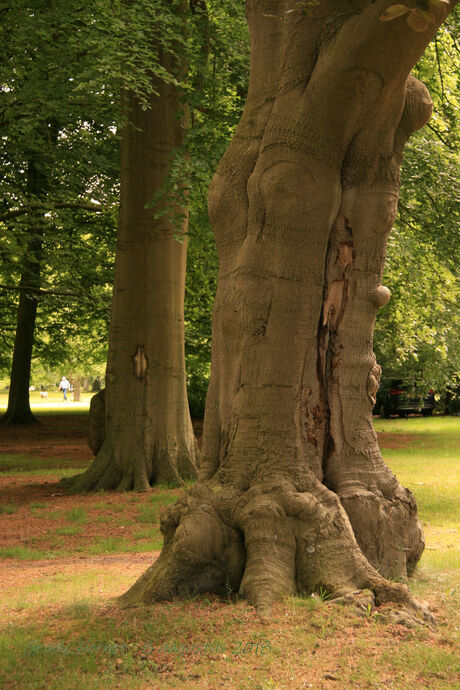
pixel 41 291
pixel 439 135
pixel 95 208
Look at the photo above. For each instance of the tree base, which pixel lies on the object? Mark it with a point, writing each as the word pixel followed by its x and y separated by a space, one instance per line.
pixel 17 417
pixel 109 470
pixel 364 604
pixel 266 542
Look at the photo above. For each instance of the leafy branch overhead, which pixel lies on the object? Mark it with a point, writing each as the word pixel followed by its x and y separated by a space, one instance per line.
pixel 420 13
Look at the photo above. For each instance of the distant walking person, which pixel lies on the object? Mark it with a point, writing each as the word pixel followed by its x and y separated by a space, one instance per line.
pixel 64 386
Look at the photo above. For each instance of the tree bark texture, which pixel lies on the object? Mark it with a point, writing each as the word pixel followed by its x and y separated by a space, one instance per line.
pixel 293 494
pixel 148 432
pixel 18 410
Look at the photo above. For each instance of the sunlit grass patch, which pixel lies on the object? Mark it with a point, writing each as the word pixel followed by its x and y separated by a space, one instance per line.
pixel 76 514
pixel 55 403
pixel 431 428
pixel 162 497
pixel 429 469
pixel 107 545
pixel 25 554
pixel 65 589
pixel 148 514
pixel 56 472
pixel 428 662
pixel 439 558
pixel 153 534
pixel 20 462
pixel 123 545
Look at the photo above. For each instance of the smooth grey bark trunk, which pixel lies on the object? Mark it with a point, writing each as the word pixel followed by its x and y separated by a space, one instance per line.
pixel 148 435
pixel 293 494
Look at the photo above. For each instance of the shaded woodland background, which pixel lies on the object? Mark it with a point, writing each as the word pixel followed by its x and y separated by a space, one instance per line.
pixel 62 73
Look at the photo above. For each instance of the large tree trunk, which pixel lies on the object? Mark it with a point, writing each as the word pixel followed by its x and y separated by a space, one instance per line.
pixel 148 432
pixel 293 494
pixel 18 411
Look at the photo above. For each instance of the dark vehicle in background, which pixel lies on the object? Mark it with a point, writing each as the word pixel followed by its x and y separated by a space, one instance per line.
pixel 396 397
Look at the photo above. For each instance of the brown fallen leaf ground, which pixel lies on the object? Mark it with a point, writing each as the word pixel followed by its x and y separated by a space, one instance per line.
pixel 65 558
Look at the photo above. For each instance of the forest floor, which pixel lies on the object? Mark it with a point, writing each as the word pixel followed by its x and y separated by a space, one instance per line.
pixel 64 557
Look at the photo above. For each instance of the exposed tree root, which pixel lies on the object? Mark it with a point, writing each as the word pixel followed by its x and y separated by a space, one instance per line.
pixel 134 471
pixel 387 530
pixel 267 542
pixel 200 554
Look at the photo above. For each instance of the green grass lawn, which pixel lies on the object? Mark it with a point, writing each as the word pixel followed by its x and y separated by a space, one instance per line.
pixel 63 631
pixel 429 467
pixel 14 463
pixel 55 402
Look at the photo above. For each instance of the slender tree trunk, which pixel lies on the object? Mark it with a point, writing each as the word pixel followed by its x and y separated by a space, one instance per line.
pixel 76 382
pixel 148 432
pixel 293 494
pixel 18 411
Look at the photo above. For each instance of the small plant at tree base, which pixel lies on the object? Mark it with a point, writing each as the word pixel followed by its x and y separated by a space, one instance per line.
pixel 323 594
pixel 232 595
pixel 371 613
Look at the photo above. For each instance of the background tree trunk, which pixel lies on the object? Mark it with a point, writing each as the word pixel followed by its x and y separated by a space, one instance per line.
pixel 76 382
pixel 18 411
pixel 148 432
pixel 293 494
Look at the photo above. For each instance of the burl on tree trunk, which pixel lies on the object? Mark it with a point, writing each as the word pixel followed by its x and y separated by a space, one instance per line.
pixel 293 494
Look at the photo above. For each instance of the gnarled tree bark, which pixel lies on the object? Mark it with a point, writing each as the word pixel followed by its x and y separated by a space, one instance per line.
pixel 293 494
